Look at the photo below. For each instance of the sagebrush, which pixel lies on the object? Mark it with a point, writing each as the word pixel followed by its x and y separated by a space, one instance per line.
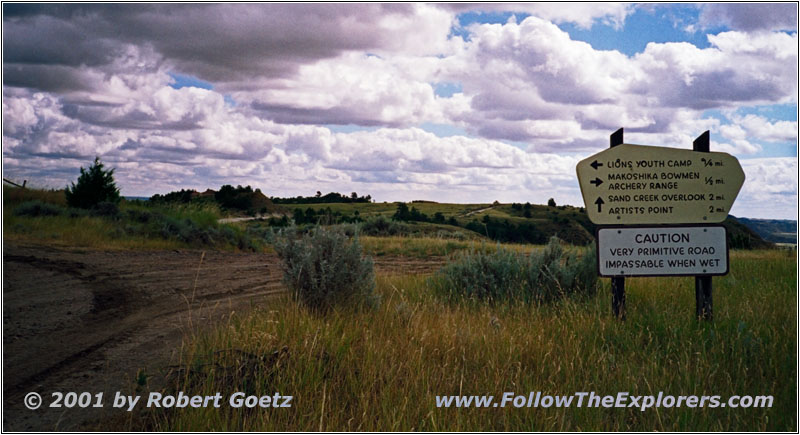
pixel 505 275
pixel 325 268
pixel 37 208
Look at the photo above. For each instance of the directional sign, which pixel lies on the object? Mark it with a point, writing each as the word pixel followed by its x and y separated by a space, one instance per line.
pixel 659 251
pixel 636 184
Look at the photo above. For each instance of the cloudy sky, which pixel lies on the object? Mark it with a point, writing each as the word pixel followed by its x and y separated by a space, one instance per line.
pixel 456 103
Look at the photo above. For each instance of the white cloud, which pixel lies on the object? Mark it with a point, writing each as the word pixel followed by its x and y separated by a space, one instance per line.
pixel 77 84
pixel 769 190
pixel 760 128
pixel 351 89
pixel 739 143
pixel 682 75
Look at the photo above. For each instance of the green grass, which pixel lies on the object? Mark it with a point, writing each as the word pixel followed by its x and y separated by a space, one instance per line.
pixel 380 370
pixel 566 222
pixel 86 232
pixel 459 211
pixel 15 196
pixel 138 225
pixel 423 247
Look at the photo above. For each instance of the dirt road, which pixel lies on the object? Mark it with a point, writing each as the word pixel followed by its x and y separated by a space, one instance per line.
pixel 88 321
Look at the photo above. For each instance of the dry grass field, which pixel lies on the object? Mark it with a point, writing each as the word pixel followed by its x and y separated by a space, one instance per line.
pixel 169 300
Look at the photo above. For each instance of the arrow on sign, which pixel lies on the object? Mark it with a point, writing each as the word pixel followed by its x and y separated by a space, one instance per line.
pixel 599 203
pixel 679 202
pixel 596 181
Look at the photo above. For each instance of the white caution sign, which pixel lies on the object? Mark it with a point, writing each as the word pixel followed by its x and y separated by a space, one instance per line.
pixel 662 251
pixel 640 185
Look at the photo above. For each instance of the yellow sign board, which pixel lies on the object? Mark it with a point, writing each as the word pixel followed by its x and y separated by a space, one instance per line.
pixel 636 184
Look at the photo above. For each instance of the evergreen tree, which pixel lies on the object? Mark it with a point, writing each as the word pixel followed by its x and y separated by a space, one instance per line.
pixel 95 185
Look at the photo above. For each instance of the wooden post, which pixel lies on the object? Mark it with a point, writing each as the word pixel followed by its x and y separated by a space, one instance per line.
pixel 702 284
pixel 15 184
pixel 617 284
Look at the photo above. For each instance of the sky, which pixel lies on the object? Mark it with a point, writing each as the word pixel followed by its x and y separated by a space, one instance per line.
pixel 467 103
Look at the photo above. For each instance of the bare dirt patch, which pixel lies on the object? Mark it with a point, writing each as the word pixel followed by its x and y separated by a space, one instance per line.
pixel 88 321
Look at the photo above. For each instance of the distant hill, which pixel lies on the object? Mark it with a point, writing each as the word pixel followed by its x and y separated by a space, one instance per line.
pixel 773 230
pixel 516 223
pixel 740 236
pixel 238 199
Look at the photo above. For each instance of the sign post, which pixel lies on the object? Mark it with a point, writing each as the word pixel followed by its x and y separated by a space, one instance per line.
pixel 645 200
pixel 702 284
pixel 617 283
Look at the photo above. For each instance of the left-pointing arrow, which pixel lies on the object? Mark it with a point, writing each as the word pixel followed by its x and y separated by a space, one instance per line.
pixel 599 203
pixel 596 181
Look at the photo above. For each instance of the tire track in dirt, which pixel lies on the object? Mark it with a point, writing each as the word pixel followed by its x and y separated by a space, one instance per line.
pixel 88 320
pixel 82 320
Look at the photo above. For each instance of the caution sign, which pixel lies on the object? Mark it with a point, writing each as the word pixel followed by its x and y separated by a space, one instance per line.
pixel 636 184
pixel 662 251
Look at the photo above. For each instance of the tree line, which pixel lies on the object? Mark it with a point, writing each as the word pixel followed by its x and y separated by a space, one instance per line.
pixel 319 198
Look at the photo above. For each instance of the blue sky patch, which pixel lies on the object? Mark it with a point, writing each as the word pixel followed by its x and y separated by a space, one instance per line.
pixel 187 81
pixel 774 112
pixel 443 130
pixel 446 89
pixel 348 128
pixel 646 24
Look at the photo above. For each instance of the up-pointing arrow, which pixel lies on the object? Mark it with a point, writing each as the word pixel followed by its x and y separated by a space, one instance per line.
pixel 596 181
pixel 599 203
pixel 595 164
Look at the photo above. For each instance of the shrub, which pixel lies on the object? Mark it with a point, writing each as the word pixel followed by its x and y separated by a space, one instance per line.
pixel 381 226
pixel 106 209
pixel 509 276
pixel 552 273
pixel 192 232
pixel 740 240
pixel 95 185
pixel 140 216
pixel 38 208
pixel 324 268
pixel 482 276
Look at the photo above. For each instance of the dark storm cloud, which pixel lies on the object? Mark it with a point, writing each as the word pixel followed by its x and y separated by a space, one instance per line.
pixel 217 43
pixel 133 119
pixel 716 88
pixel 52 41
pixel 293 115
pixel 50 78
pixel 751 16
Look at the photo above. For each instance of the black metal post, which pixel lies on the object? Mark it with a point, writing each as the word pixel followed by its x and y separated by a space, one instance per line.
pixel 617 283
pixel 702 284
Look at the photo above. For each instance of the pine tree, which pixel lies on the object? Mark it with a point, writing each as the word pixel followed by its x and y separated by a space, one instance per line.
pixel 95 185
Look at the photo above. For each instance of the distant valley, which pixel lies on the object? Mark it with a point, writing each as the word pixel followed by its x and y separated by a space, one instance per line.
pixel 773 230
